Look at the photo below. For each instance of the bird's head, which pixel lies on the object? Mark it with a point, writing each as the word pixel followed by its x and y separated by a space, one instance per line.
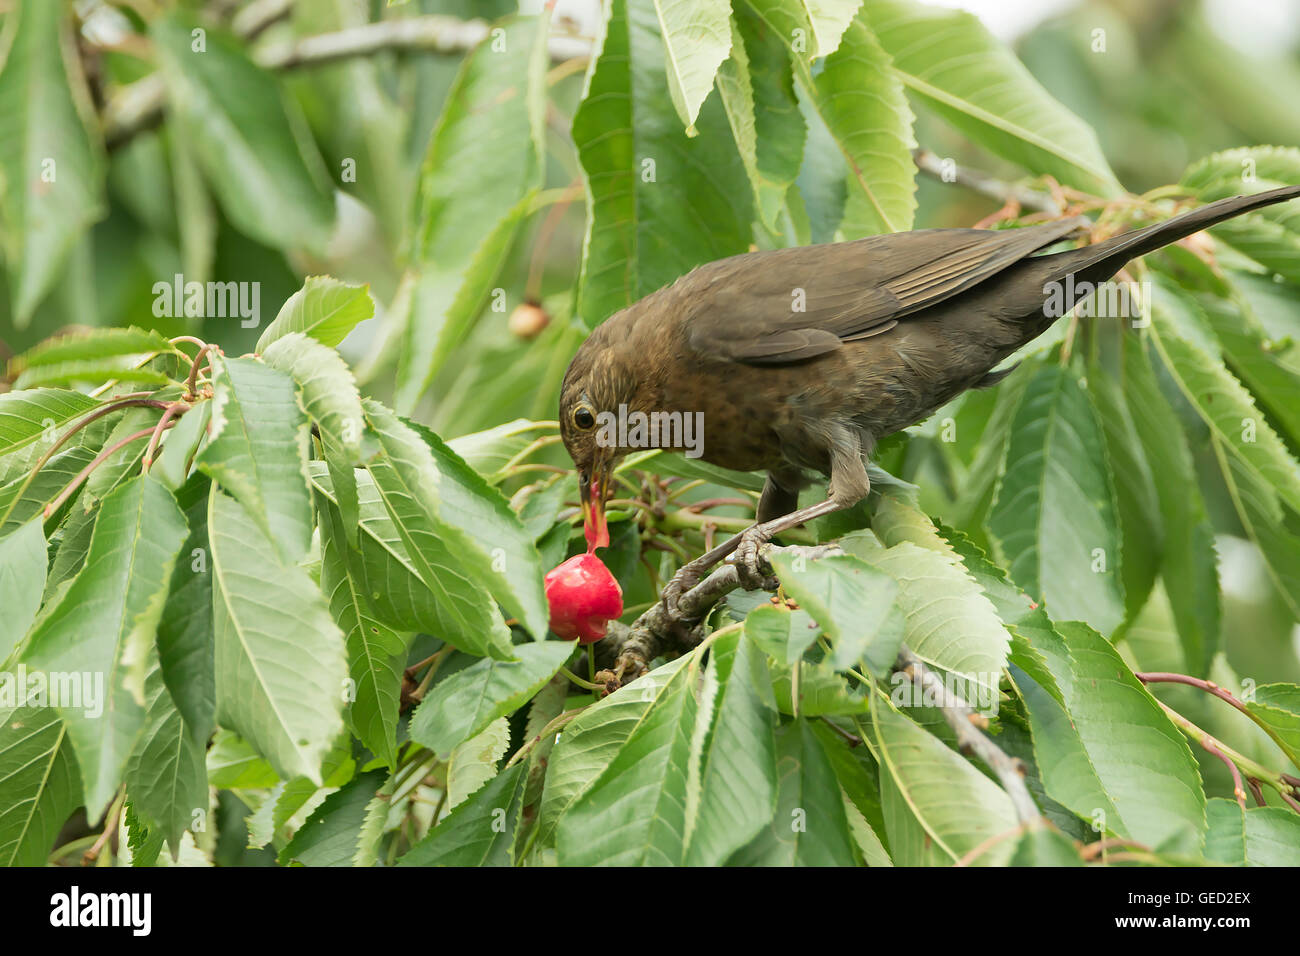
pixel 595 386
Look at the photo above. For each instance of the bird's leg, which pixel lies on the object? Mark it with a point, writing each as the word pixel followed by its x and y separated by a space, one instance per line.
pixel 778 498
pixel 849 485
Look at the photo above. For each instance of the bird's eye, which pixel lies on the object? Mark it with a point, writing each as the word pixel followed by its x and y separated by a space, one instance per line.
pixel 583 417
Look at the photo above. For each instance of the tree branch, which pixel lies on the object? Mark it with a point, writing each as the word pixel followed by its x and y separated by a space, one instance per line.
pixel 625 653
pixel 965 723
pixel 140 105
pixel 986 185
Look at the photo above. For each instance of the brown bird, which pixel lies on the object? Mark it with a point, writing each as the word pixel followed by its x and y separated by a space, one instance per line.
pixel 801 359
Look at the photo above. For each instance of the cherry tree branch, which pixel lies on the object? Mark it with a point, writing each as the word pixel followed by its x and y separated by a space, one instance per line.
pixel 139 105
pixel 625 653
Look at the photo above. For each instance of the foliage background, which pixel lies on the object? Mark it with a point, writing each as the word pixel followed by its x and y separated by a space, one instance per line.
pixel 484 181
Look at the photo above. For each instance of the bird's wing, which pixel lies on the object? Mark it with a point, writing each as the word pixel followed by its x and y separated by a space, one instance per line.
pixel 785 305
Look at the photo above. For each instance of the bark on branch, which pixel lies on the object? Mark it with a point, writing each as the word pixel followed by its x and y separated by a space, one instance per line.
pixel 625 653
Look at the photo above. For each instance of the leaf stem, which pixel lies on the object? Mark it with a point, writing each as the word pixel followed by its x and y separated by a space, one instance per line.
pixel 1165 677
pixel 99 459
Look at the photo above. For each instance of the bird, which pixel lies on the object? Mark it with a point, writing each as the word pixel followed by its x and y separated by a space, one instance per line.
pixel 798 360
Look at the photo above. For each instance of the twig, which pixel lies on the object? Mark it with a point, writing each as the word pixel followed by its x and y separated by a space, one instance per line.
pixel 98 460
pixel 629 650
pixel 1238 788
pixel 140 105
pixel 174 410
pixel 253 19
pixel 625 652
pixel 1165 677
pixel 110 825
pixel 961 717
pixel 986 185
pixel 984 846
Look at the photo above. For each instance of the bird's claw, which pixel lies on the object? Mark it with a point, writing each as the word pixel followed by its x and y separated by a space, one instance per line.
pixel 752 569
pixel 681 582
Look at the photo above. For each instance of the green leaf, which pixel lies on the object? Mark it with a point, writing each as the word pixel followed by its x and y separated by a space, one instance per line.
pixel 328 394
pixel 460 706
pixel 838 591
pixel 635 813
pixel 782 633
pixel 474 761
pixel 756 85
pixel 479 832
pixel 1224 405
pixel 110 472
pixel 233 764
pixel 1259 836
pixel 937 806
pixel 92 371
pixel 1136 498
pixel 1108 752
pixel 329 837
pixel 324 309
pixel 1055 515
pixel 697 38
pixel 248 137
pixel 736 762
pixel 453 522
pixel 166 776
pixel 659 202
pixel 180 445
pixel 484 166
pixel 591 740
pixel 35 414
pixel 1188 563
pixel 488 452
pixel 1270 236
pixel 103 629
pixel 279 658
pixel 1103 747
pixel 950 61
pixel 257 451
pixel 388 576
pixel 22 581
pixel 91 344
pixel 185 635
pixel 1266 522
pixel 810 827
pixel 1044 846
pixel 40 785
pixel 51 168
pixel 21 501
pixel 1277 707
pixel 861 102
pixel 948 622
pixel 1266 368
pixel 376 653
pixel 859 780
pixel 1224 174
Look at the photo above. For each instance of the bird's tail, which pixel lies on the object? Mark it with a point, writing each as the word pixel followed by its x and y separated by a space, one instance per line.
pixel 1108 257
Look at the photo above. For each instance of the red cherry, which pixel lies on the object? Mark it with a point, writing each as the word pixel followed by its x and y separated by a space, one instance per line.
pixel 583 597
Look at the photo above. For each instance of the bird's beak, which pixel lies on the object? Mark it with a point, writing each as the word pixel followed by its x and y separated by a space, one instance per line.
pixel 594 491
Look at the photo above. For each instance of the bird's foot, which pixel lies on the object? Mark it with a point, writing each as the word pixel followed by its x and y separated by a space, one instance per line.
pixel 753 570
pixel 685 579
